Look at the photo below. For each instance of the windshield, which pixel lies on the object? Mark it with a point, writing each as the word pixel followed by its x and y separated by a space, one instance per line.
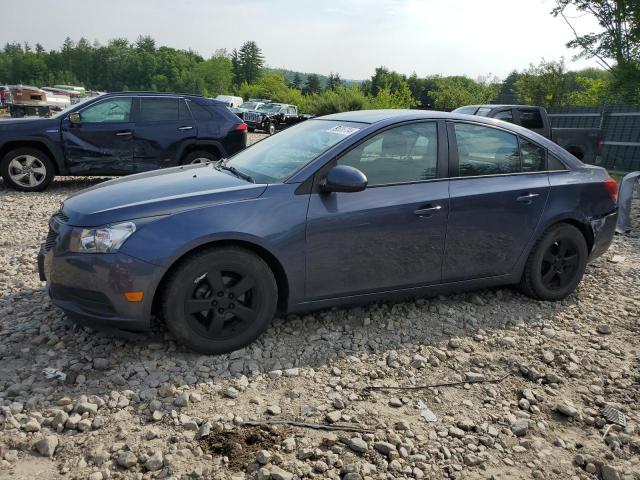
pixel 279 156
pixel 249 105
pixel 269 107
pixel 62 113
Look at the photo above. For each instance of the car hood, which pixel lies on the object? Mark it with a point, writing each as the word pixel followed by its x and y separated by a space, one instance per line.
pixel 29 123
pixel 161 192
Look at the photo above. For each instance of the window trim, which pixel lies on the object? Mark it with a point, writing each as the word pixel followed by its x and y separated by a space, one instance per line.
pixel 454 168
pixel 441 156
pixel 132 113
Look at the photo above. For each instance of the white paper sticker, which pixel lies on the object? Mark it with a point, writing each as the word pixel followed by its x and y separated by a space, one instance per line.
pixel 342 130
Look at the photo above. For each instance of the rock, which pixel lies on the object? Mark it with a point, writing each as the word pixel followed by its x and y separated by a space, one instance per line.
pixel 47 445
pixel 126 459
pixel 455 343
pixel 86 407
pixel 231 392
pixel 385 448
pixel 278 473
pixel 520 427
pixel 333 416
pixel 566 409
pixel 157 415
pixel 357 444
pixel 60 418
pixel 101 363
pixel 11 455
pixel 84 425
pixel 154 462
pixel 181 400
pixel 548 357
pixel 604 329
pixel 263 457
pixel 31 426
pixel 274 410
pixel 473 377
pixel 466 424
pixel 96 476
pixel 607 472
pixel 395 402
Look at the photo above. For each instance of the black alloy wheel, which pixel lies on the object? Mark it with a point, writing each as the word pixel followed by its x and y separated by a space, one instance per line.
pixel 220 299
pixel 556 263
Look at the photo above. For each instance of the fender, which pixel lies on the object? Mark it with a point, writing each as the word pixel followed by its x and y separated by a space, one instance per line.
pixel 56 150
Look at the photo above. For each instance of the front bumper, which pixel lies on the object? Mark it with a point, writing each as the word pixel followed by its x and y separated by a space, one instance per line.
pixel 603 229
pixel 90 288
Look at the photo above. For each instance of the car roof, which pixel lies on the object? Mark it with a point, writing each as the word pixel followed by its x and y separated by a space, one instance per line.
pixel 500 105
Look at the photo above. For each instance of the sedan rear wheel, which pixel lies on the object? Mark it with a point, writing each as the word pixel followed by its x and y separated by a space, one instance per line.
pixel 220 300
pixel 556 263
pixel 27 169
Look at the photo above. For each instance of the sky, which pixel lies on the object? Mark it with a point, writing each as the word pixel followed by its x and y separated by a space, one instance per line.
pixel 350 37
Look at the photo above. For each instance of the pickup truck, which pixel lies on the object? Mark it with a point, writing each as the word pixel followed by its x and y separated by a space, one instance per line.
pixel 271 117
pixel 583 143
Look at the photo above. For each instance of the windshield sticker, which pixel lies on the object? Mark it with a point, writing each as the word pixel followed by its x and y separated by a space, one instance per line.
pixel 342 130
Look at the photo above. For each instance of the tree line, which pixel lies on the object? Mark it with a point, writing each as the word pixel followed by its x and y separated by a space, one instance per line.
pixel 143 65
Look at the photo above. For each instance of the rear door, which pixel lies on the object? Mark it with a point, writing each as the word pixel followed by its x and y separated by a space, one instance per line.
pixel 102 143
pixel 163 128
pixel 391 235
pixel 499 188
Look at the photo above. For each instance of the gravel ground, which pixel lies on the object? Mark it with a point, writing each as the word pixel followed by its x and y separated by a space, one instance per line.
pixel 151 409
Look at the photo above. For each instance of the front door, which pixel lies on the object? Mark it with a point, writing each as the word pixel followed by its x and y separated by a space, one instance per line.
pixel 498 195
pixel 102 143
pixel 389 236
pixel 164 126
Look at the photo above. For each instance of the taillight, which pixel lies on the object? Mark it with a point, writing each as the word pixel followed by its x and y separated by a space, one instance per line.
pixel 241 127
pixel 612 187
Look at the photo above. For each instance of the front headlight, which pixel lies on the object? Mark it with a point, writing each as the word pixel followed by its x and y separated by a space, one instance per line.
pixel 103 239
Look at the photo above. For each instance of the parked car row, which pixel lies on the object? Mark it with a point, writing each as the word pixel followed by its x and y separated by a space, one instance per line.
pixel 347 208
pixel 29 101
pixel 118 134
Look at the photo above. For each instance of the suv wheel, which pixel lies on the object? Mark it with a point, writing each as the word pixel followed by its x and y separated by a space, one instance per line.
pixel 271 128
pixel 556 264
pixel 220 300
pixel 27 169
pixel 199 156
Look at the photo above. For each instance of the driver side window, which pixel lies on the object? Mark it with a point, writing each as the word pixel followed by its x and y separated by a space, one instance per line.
pixel 113 110
pixel 404 154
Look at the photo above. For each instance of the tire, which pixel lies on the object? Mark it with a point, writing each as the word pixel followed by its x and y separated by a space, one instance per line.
pixel 27 169
pixel 216 280
pixel 199 156
pixel 251 129
pixel 550 274
pixel 271 128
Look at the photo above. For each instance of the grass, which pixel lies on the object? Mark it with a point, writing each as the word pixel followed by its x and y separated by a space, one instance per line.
pixel 617 175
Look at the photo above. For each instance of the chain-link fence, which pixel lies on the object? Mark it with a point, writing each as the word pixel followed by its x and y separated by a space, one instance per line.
pixel 621 130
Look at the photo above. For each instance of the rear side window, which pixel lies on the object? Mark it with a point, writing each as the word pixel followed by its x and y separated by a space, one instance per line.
pixel 200 113
pixel 530 119
pixel 505 115
pixel 159 109
pixel 483 111
pixel 532 156
pixel 486 151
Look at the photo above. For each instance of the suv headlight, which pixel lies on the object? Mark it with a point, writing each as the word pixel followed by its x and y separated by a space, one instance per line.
pixel 107 239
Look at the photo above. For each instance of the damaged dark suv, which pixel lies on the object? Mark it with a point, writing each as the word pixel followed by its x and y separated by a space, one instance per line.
pixel 118 134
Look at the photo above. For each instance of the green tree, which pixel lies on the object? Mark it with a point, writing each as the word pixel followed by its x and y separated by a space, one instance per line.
pixel 296 82
pixel 616 45
pixel 547 84
pixel 312 85
pixel 453 92
pixel 333 82
pixel 248 63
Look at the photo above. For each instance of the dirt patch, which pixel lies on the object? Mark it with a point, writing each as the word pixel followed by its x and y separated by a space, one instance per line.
pixel 241 445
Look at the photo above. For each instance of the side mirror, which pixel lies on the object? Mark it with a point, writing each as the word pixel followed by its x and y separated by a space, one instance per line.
pixel 74 117
pixel 343 178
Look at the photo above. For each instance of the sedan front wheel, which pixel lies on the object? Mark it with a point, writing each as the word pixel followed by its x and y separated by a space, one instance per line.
pixel 220 300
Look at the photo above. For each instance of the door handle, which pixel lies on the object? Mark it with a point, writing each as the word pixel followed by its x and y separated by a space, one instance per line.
pixel 185 127
pixel 427 211
pixel 528 198
pixel 123 134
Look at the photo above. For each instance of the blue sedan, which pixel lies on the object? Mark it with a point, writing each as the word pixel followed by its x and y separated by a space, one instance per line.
pixel 347 208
